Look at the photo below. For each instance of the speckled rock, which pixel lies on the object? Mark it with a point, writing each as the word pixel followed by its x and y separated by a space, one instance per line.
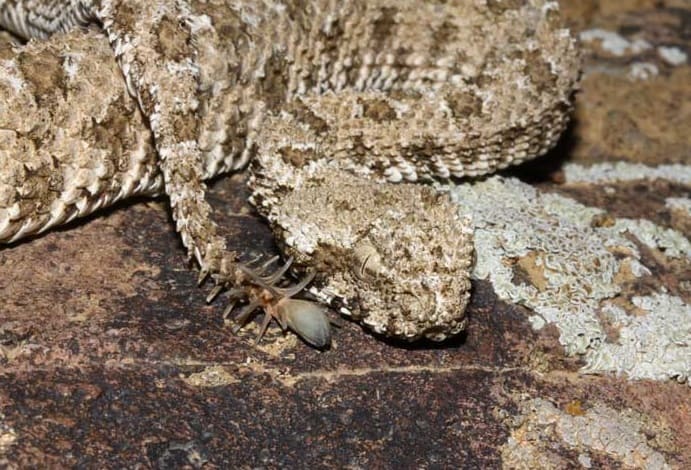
pixel 107 361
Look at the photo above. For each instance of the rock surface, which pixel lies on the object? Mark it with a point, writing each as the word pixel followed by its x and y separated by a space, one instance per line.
pixel 106 360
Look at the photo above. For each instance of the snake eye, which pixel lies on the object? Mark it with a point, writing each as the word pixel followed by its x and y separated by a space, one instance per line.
pixel 307 319
pixel 367 261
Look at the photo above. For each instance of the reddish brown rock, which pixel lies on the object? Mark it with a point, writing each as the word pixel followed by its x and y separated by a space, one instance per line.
pixel 109 356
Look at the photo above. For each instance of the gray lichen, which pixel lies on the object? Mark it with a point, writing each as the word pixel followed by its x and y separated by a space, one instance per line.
pixel 542 433
pixel 609 172
pixel 681 204
pixel 665 324
pixel 615 43
pixel 547 252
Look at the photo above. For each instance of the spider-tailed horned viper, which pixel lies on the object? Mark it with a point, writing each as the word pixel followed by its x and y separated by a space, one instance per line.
pixel 330 101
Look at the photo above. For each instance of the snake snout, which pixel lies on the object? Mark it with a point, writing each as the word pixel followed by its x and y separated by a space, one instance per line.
pixel 409 273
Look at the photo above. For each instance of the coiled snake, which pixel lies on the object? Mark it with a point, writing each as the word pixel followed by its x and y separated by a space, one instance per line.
pixel 342 109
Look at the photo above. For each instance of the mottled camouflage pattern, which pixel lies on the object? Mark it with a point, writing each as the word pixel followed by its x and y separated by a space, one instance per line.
pixel 334 100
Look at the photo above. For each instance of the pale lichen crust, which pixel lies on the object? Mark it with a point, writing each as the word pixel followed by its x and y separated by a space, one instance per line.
pixel 612 172
pixel 569 264
pixel 544 436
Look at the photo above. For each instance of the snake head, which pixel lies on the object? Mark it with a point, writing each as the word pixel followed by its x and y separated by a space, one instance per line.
pixel 395 257
pixel 407 274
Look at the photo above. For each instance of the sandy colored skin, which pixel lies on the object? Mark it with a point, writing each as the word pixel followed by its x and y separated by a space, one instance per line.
pixel 60 161
pixel 333 101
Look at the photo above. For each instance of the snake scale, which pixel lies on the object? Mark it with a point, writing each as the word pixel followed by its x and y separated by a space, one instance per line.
pixel 340 108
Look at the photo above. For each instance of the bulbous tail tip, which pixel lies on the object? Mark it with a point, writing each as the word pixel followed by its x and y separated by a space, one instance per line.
pixel 307 319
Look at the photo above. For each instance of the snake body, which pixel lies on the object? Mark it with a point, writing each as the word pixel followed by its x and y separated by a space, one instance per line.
pixel 342 107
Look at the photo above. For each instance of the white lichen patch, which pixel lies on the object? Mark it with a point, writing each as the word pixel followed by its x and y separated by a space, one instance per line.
pixel 611 172
pixel 543 435
pixel 547 252
pixel 666 323
pixel 672 55
pixel 681 204
pixel 673 243
pixel 614 43
pixel 643 71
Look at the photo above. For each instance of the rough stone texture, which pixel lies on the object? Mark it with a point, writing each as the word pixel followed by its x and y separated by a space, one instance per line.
pixel 108 361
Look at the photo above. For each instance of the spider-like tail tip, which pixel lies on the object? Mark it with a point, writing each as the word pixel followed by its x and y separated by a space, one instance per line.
pixel 307 319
